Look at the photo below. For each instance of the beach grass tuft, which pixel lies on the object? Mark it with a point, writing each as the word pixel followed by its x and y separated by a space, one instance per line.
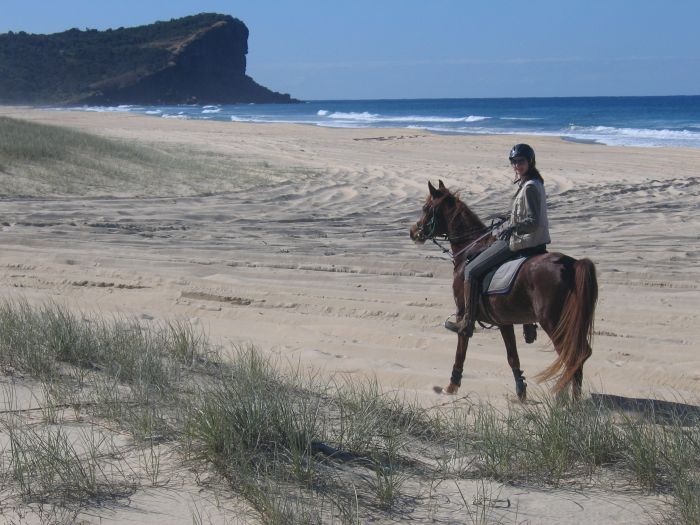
pixel 49 466
pixel 300 447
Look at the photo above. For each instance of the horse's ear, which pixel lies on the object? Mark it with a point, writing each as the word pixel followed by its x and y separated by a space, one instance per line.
pixel 434 192
pixel 441 185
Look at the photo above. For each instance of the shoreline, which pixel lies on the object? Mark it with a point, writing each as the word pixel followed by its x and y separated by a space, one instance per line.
pixel 578 126
pixel 32 113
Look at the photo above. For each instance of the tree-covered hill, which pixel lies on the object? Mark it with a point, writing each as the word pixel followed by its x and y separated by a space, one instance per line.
pixel 199 58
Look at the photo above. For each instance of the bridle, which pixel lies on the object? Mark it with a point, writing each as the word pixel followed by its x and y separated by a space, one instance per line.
pixel 431 235
pixel 432 223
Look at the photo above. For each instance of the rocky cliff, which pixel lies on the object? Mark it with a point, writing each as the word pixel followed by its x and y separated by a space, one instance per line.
pixel 197 59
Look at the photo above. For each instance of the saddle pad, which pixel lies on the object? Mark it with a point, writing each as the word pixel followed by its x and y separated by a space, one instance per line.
pixel 502 278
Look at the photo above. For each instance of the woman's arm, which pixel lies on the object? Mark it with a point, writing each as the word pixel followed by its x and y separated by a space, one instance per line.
pixel 531 206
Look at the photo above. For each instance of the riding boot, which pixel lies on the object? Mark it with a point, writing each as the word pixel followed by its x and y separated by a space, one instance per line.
pixel 465 326
pixel 530 333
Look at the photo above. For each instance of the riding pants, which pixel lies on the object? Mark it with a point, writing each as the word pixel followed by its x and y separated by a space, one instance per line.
pixel 494 255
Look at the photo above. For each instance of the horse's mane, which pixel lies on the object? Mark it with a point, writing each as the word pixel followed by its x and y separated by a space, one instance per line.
pixel 464 211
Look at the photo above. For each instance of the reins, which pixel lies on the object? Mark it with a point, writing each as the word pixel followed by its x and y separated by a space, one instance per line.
pixel 470 245
pixel 453 256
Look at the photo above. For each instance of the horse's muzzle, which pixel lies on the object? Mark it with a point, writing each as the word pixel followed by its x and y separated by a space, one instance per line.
pixel 416 233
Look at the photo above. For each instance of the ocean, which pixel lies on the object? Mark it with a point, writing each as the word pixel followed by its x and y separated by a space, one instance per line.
pixel 615 121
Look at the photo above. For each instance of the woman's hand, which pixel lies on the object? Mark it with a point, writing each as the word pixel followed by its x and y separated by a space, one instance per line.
pixel 505 233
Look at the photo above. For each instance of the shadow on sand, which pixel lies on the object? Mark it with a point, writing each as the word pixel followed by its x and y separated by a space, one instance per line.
pixel 659 411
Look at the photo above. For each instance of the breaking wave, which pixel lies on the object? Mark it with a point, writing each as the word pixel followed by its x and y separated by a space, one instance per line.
pixel 619 121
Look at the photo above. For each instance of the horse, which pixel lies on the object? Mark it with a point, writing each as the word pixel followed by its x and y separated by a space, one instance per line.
pixel 552 289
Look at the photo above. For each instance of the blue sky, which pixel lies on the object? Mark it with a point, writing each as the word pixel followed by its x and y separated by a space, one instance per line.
pixel 326 49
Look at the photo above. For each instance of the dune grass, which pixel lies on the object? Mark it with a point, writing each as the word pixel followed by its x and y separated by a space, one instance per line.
pixel 48 465
pixel 39 160
pixel 301 447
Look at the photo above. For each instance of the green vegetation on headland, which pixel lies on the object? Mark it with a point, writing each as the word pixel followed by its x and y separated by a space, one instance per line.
pixel 199 58
pixel 297 447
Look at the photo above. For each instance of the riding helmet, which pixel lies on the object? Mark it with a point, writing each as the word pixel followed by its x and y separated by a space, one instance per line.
pixel 522 150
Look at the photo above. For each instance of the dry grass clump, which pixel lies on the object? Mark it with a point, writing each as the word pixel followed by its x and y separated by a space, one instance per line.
pixel 38 160
pixel 298 447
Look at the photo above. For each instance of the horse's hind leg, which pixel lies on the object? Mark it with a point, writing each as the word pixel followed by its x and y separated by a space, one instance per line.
pixel 576 384
pixel 508 334
pixel 577 381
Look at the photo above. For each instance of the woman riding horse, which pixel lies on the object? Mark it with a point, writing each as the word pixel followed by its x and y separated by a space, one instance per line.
pixel 552 289
pixel 527 233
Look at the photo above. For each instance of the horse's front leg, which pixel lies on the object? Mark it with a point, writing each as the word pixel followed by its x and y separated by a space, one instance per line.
pixel 458 368
pixel 462 341
pixel 508 334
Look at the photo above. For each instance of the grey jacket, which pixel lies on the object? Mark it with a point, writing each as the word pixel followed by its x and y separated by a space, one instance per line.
pixel 528 217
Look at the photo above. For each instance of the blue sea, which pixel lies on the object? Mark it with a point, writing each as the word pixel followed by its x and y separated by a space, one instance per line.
pixel 618 121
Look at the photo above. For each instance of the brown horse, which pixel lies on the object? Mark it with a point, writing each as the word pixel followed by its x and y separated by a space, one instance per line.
pixel 552 289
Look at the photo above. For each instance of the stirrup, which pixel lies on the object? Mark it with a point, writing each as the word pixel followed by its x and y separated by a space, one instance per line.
pixel 452 326
pixel 457 327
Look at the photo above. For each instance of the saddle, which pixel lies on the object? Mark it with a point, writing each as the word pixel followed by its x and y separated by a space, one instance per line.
pixel 499 280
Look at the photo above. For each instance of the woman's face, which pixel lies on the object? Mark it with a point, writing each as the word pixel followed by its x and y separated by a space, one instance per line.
pixel 520 166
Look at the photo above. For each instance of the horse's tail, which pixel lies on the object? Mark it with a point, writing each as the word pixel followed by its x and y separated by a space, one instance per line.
pixel 573 334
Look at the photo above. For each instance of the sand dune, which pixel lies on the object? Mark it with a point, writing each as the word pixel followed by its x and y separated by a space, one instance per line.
pixel 314 262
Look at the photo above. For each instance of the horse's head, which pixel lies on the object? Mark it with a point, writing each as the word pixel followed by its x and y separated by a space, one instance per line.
pixel 432 222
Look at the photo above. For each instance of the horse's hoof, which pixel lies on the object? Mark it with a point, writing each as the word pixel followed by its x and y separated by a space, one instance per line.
pixel 447 391
pixel 451 389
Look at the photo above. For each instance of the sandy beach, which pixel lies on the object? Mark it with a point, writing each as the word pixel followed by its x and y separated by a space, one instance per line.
pixel 308 257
